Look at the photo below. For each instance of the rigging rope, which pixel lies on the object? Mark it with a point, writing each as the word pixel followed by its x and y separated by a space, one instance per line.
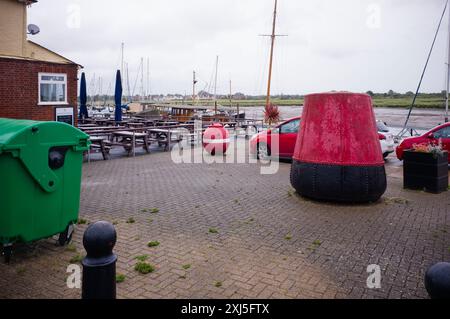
pixel 405 127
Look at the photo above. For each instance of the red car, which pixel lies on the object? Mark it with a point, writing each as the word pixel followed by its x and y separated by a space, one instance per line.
pixel 440 133
pixel 263 144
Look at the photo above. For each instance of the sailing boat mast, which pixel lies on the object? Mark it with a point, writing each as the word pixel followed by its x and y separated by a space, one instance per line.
pixel 215 79
pixel 272 44
pixel 142 80
pixel 215 86
pixel 122 59
pixel 148 78
pixel 231 96
pixel 194 82
pixel 130 98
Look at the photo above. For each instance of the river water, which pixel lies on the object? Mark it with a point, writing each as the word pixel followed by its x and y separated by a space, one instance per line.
pixel 421 119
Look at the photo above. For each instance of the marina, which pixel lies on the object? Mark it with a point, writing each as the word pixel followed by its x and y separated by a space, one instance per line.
pixel 224 152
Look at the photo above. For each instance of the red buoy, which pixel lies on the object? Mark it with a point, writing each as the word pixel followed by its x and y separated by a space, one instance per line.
pixel 216 139
pixel 338 155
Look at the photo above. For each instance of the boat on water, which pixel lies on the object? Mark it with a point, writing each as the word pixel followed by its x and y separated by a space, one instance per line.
pixel 188 113
pixel 104 111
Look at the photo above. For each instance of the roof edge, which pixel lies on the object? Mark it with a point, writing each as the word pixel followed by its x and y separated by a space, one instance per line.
pixel 61 56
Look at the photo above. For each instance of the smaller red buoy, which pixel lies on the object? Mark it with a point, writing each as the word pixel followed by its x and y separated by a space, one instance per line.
pixel 216 139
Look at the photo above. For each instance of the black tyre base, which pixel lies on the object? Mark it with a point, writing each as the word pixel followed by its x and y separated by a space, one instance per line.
pixel 335 183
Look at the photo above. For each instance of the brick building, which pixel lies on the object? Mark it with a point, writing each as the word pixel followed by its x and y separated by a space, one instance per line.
pixel 35 83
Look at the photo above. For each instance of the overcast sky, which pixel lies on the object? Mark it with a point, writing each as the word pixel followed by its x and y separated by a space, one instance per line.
pixel 354 45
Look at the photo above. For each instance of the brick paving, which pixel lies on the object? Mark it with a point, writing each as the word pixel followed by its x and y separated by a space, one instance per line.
pixel 270 242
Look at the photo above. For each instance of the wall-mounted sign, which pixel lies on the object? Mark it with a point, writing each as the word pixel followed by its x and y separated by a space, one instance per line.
pixel 65 115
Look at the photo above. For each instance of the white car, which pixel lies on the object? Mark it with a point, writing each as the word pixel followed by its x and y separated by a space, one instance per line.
pixel 386 139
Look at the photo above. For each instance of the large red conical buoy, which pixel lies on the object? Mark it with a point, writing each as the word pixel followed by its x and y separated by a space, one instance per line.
pixel 338 155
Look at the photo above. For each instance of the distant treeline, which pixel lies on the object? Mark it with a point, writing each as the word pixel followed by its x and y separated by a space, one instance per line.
pixel 388 99
pixel 391 94
pixel 241 96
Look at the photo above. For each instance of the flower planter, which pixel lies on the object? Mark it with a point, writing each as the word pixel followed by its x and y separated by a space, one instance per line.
pixel 425 171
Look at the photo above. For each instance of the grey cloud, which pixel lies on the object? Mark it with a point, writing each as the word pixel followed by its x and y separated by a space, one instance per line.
pixel 327 39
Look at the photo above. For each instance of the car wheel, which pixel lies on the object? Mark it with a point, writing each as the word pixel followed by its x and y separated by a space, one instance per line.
pixel 263 152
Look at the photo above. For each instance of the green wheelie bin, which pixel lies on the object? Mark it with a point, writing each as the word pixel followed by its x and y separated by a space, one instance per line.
pixel 40 181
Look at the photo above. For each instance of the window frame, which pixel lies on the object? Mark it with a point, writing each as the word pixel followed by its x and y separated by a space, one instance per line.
pixel 40 81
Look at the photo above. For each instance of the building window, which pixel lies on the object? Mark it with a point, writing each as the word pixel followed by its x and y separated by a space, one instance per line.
pixel 52 89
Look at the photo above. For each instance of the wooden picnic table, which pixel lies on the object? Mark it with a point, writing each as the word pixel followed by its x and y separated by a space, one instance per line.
pixel 102 144
pixel 108 122
pixel 95 128
pixel 135 124
pixel 167 123
pixel 130 140
pixel 149 122
pixel 164 136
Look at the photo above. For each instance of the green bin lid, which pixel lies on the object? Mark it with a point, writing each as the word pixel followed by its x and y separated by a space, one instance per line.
pixel 30 142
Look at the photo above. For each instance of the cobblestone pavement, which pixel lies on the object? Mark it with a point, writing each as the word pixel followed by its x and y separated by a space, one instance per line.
pixel 270 243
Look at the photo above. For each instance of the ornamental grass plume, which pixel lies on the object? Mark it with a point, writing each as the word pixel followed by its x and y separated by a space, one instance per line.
pixel 271 114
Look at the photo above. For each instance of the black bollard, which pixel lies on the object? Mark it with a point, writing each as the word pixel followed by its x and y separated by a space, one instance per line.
pixel 437 281
pixel 99 266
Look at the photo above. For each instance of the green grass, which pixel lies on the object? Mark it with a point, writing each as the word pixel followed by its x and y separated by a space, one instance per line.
pixel 154 211
pixel 396 200
pixel 131 220
pixel 317 243
pixel 153 244
pixel 186 267
pixel 82 221
pixel 213 231
pixel 405 102
pixel 144 268
pixel 76 259
pixel 288 237
pixel 424 102
pixel 120 278
pixel 71 248
pixel 218 284
pixel 142 258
